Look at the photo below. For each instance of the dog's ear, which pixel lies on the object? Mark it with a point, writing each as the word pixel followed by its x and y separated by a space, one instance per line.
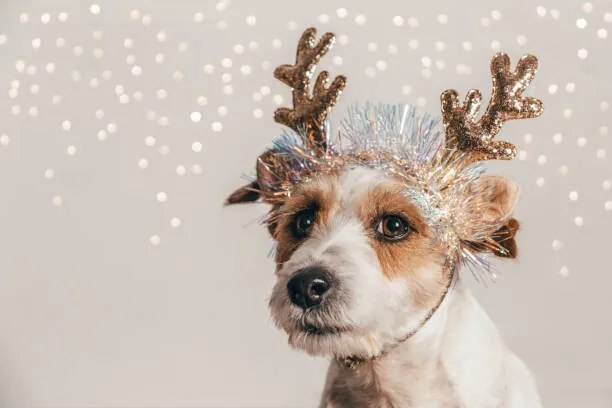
pixel 271 168
pixel 274 172
pixel 245 194
pixel 487 223
pixel 504 241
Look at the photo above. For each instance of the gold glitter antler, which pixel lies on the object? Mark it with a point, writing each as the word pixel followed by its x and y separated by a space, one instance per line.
pixel 309 109
pixel 467 134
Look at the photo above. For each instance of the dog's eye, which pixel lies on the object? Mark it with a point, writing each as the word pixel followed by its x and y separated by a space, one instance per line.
pixel 393 227
pixel 303 223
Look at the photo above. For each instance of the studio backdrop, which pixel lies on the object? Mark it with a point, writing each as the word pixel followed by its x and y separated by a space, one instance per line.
pixel 124 282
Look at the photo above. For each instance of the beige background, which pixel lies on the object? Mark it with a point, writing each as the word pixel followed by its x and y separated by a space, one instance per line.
pixel 93 313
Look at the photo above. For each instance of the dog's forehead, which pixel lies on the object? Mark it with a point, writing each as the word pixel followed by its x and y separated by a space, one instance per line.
pixel 346 192
pixel 346 189
pixel 356 181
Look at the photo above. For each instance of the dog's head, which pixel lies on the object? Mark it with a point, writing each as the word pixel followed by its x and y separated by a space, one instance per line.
pixel 358 266
pixel 372 224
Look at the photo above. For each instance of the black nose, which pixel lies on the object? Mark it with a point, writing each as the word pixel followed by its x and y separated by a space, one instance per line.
pixel 308 286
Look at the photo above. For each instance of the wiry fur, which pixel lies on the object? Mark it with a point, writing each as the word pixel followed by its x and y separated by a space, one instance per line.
pixel 456 359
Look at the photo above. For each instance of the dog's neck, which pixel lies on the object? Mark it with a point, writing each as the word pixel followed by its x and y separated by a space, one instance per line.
pixel 433 359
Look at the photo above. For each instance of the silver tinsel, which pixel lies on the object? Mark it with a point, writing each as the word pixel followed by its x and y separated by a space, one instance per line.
pixel 404 143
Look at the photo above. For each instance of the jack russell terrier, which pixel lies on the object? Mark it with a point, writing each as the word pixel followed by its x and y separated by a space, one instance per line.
pixel 373 226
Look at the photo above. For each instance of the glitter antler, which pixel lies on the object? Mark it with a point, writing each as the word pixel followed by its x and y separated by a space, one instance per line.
pixel 310 109
pixel 309 114
pixel 475 137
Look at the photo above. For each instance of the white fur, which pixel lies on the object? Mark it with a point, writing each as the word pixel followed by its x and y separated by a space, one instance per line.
pixel 457 359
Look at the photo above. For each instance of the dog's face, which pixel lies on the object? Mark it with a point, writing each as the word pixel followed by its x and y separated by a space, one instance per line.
pixel 357 266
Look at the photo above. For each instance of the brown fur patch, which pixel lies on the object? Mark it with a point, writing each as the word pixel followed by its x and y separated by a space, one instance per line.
pixel 320 195
pixel 505 238
pixel 245 194
pixel 408 257
pixel 494 210
pixel 504 242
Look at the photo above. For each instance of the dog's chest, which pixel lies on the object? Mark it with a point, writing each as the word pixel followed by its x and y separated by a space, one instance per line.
pixel 400 386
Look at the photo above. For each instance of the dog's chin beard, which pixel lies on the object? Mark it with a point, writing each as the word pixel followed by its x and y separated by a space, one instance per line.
pixel 315 330
pixel 322 332
pixel 332 342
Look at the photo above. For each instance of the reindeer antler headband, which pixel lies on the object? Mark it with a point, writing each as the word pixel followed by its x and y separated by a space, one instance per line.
pixel 438 164
pixel 477 137
pixel 309 111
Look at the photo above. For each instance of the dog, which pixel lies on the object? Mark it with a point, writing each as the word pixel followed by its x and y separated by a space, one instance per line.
pixel 357 274
pixel 365 277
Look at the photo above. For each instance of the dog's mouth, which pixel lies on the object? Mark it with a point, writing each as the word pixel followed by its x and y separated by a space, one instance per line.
pixel 313 330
